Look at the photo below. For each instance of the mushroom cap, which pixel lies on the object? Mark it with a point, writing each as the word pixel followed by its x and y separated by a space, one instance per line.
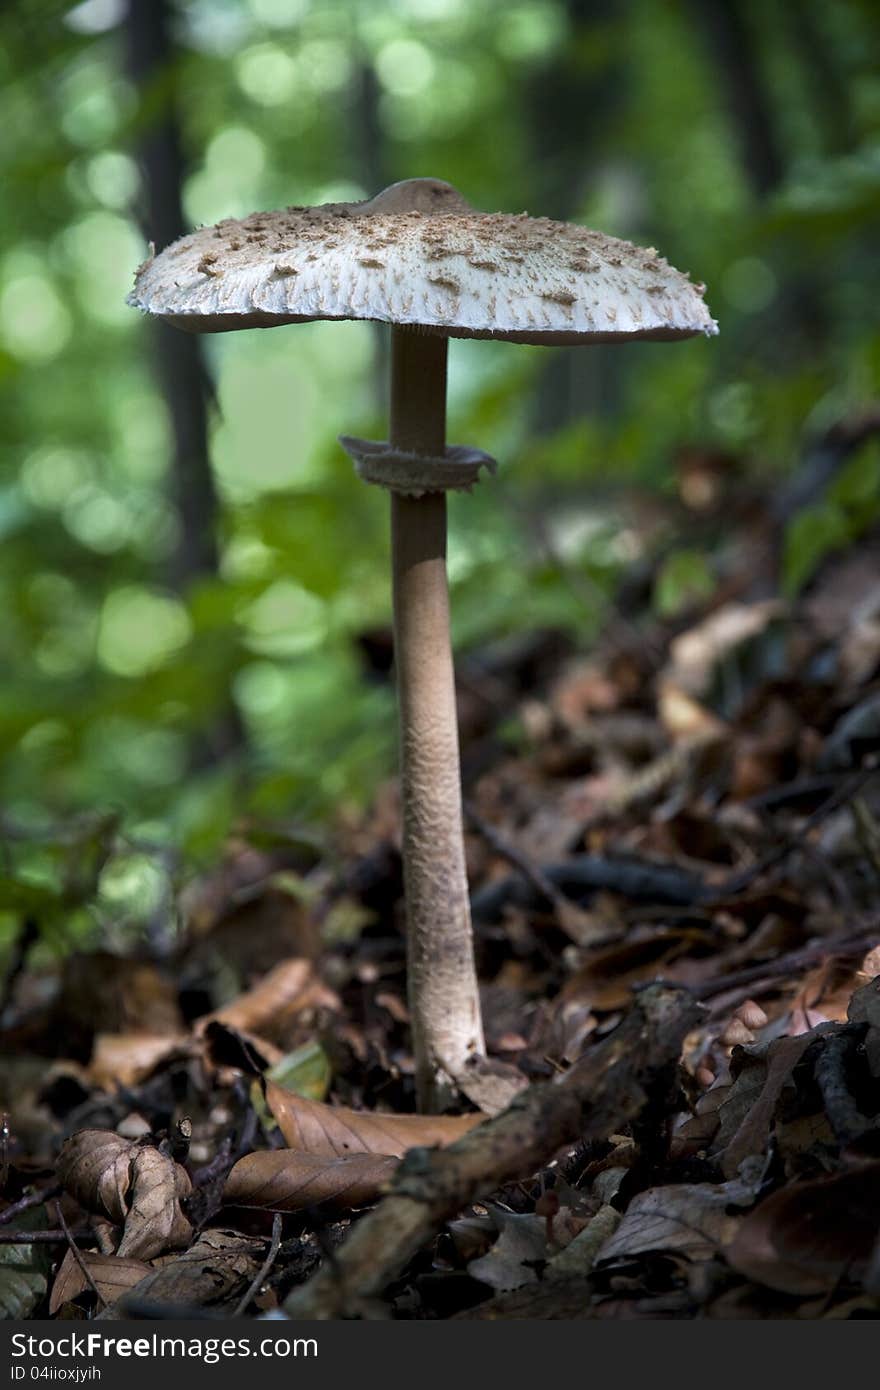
pixel 418 255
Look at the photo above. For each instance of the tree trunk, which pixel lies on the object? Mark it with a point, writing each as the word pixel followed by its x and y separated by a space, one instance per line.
pixel 572 105
pixel 178 357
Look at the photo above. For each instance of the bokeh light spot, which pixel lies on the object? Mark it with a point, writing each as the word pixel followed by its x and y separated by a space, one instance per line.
pixel 267 74
pixel 405 67
pixel 50 475
pixel 140 629
pixel 34 321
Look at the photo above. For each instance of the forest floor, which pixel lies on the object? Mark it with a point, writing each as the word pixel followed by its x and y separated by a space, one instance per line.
pixel 224 1128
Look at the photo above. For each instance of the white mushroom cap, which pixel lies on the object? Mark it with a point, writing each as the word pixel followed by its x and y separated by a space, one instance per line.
pixel 418 255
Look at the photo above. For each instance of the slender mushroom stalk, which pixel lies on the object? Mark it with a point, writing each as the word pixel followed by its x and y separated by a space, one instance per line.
pixel 418 257
pixel 442 981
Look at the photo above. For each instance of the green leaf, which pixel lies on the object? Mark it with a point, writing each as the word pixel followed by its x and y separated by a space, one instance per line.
pixel 27 899
pixel 684 578
pixel 857 487
pixel 811 536
pixel 306 1071
pixel 23 1277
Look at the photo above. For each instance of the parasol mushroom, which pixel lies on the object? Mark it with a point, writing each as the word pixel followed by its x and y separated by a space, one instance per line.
pixel 418 257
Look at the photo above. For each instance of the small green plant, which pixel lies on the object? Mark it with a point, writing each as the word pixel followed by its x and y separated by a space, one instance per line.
pixel 850 506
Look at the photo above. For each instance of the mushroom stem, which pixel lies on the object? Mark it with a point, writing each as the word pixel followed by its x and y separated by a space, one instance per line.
pixel 443 993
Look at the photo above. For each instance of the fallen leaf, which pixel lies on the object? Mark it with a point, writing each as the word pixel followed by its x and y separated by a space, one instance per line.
pixel 606 979
pixel 471 1235
pixel 749 1113
pixel 685 718
pixel 287 989
pixel 138 1187
pixel 307 1071
pixel 823 995
pixel 23 1270
pixel 692 1220
pixel 490 1084
pixel 113 1276
pixel 123 1059
pixel 215 1270
pixel 517 1256
pixel 105 993
pixel 286 1180
pixel 230 1047
pixel 94 1167
pixel 252 910
pixel 696 654
pixel 335 1131
pixel 806 1238
pixel 581 1253
pixel 155 1221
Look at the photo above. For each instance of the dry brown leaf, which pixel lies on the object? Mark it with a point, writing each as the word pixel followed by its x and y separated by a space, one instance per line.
pixel 823 995
pixel 606 979
pixel 692 1221
pixel 289 988
pixel 112 1275
pixel 230 1047
pixel 580 1254
pixel 285 1180
pixel 518 1255
pixel 804 1239
pixel 471 1236
pixel 250 911
pixel 748 1113
pixel 94 1167
pixel 124 1059
pixel 155 1222
pixel 490 1084
pixel 335 1131
pixel 136 1186
pixel 216 1270
pixel 105 993
pixel 685 718
pixel 696 654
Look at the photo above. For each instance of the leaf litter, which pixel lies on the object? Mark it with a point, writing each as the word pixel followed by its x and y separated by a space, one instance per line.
pixel 223 1119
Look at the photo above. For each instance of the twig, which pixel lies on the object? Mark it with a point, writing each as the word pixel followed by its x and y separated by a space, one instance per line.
pixel 179 1139
pixel 785 966
pixel 42 1237
pixel 218 1167
pixel 501 846
pixel 574 879
pixel 798 789
pixel 607 1088
pixel 832 1064
pixel 837 884
pixel 77 1255
pixel 737 882
pixel 583 874
pixel 263 1271
pixel 32 1199
pixel 206 1196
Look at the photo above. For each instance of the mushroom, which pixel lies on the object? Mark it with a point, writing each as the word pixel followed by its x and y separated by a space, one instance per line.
pixel 418 257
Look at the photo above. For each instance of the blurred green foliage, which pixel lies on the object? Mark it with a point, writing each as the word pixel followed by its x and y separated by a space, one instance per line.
pixel 111 674
pixel 850 506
